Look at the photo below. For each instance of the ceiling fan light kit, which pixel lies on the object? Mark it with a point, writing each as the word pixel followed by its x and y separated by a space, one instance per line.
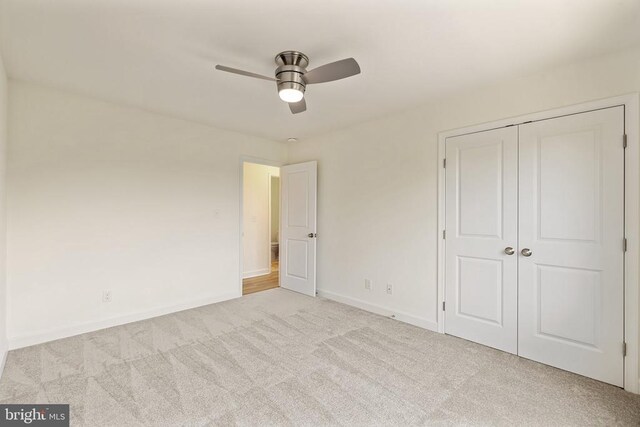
pixel 291 94
pixel 292 76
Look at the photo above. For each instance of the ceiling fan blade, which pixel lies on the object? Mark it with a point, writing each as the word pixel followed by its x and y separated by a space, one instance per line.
pixel 244 73
pixel 333 71
pixel 298 107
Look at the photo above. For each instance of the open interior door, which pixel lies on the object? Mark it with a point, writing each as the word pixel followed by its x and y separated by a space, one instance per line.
pixel 298 228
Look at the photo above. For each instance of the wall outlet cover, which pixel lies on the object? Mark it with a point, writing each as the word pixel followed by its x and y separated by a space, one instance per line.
pixel 106 296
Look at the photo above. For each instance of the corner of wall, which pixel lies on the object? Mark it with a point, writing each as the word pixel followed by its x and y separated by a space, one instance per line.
pixel 3 359
pixel 3 282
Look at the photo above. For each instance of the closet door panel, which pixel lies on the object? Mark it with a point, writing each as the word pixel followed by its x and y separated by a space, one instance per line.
pixel 571 198
pixel 481 221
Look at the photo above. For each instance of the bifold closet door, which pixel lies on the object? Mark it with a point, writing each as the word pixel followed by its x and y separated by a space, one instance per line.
pixel 571 254
pixel 481 242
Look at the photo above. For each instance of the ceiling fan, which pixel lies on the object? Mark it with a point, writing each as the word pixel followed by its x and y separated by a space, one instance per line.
pixel 292 76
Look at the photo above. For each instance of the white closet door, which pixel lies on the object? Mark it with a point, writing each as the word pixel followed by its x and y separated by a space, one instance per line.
pixel 481 224
pixel 572 222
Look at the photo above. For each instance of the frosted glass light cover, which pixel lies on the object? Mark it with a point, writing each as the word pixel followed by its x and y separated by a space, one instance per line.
pixel 290 95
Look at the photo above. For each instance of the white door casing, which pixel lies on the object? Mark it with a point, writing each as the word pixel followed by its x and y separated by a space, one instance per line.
pixel 298 214
pixel 481 223
pixel 571 289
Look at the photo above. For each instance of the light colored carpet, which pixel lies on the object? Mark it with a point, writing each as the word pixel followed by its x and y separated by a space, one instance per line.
pixel 279 358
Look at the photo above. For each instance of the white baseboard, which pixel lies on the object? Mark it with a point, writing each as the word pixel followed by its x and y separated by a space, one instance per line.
pixel 256 273
pixel 65 332
pixel 384 311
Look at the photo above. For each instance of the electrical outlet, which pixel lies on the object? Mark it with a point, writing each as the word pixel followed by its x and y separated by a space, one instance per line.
pixel 367 284
pixel 106 296
pixel 389 288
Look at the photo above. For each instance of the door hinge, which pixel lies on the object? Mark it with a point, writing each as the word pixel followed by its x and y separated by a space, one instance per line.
pixel 624 141
pixel 444 234
pixel 624 244
pixel 624 349
pixel 444 163
pixel 443 305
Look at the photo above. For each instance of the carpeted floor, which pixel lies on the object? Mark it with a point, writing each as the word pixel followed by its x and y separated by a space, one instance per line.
pixel 279 358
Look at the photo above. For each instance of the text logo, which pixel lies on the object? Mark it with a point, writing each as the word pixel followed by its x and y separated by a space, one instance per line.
pixel 34 415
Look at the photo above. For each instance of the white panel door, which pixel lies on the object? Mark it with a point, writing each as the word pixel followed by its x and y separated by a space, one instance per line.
pixel 572 225
pixel 482 230
pixel 298 228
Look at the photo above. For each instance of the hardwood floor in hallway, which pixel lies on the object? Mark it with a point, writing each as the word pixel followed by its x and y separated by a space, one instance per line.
pixel 262 283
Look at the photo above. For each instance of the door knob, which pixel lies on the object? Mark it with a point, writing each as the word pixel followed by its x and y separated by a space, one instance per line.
pixel 526 252
pixel 509 250
pixel 311 235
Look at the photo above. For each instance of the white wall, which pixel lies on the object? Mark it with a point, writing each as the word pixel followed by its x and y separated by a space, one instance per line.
pixel 3 253
pixel 275 209
pixel 256 204
pixel 107 197
pixel 378 183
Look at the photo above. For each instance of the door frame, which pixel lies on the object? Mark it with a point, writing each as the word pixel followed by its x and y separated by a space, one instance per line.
pixel 631 103
pixel 258 161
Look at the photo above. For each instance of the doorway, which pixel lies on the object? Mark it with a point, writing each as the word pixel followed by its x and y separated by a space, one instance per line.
pixel 260 227
pixel 290 261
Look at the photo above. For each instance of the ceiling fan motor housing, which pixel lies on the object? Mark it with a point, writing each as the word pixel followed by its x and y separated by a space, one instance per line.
pixel 291 67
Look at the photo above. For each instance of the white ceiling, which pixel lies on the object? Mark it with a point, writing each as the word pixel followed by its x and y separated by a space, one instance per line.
pixel 160 54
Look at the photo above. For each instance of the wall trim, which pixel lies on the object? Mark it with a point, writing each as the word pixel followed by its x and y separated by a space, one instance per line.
pixel 69 331
pixel 631 103
pixel 378 309
pixel 256 273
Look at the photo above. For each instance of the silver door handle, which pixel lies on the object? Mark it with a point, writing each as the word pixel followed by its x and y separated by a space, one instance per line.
pixel 312 235
pixel 526 252
pixel 509 250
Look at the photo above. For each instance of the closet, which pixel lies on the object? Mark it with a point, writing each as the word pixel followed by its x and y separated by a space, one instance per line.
pixel 534 252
